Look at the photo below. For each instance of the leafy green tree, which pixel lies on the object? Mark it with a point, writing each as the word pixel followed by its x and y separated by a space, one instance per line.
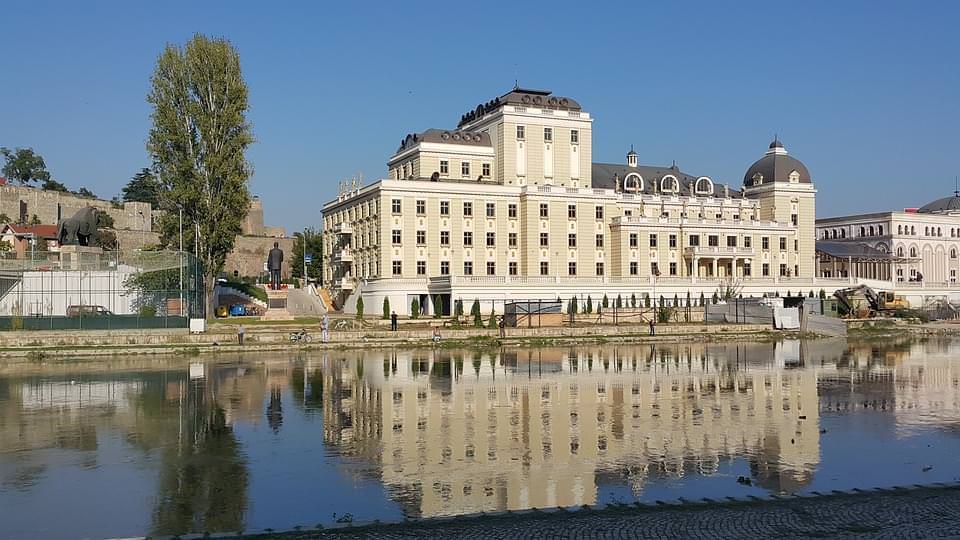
pixel 458 308
pixel 492 322
pixel 359 308
pixel 715 298
pixel 475 312
pixel 633 300
pixel 702 299
pixel 197 142
pixel 52 185
pixel 5 246
pixel 589 304
pixel 606 302
pixel 85 193
pixel 24 166
pixel 4 219
pixel 415 309
pixel 314 249
pixel 437 306
pixel 143 187
pixel 386 307
pixel 811 294
pixel 619 302
pixel 823 293
pixel 646 300
pixel 35 220
pixel 104 220
pixel 572 308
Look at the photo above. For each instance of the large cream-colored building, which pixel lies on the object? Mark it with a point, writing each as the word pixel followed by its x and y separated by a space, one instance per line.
pixel 510 205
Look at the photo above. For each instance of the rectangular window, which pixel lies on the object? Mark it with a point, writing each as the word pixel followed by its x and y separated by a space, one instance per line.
pixel 653 240
pixel 491 268
pixel 572 211
pixel 574 136
pixel 673 240
pixel 695 240
pixel 654 269
pixel 746 269
pixel 547 134
pixel 467 238
pixel 397 268
pixel 491 209
pixel 444 167
pixel 491 239
pixel 468 268
pixel 765 243
pixel 783 243
pixel 444 238
pixel 395 206
pixel 512 268
pixel 421 207
pixel 747 241
pixel 544 239
pixel 544 268
pixel 673 269
pixel 633 268
pixel 633 239
pixel 395 236
pixel 571 268
pixel 421 238
pixel 444 268
pixel 444 208
pixel 599 240
pixel 421 268
pixel 511 210
pixel 598 211
pixel 713 240
pixel 544 211
pixel 796 245
pixel 467 209
pixel 512 239
pixel 793 219
pixel 485 170
pixel 765 269
pixel 599 268
pixel 465 168
pixel 572 240
pixel 731 241
pixel 521 133
pixel 783 270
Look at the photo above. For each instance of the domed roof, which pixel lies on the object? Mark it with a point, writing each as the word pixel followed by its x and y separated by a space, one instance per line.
pixel 946 205
pixel 776 166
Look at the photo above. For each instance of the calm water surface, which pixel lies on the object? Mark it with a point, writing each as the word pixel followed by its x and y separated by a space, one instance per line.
pixel 257 441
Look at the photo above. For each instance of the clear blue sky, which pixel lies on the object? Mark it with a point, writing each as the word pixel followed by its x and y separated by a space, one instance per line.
pixel 867 94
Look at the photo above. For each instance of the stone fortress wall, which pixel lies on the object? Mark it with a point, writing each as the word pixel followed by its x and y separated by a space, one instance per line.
pixel 21 203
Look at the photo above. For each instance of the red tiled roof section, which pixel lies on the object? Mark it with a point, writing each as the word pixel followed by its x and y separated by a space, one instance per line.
pixel 40 231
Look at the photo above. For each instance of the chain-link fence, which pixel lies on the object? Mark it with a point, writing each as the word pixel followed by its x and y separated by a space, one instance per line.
pixel 85 288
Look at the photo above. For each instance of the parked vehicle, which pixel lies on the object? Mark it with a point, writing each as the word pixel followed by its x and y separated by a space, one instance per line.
pixel 238 310
pixel 87 311
pixel 302 335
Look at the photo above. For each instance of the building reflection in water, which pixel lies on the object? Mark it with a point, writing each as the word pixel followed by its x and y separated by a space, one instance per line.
pixel 452 432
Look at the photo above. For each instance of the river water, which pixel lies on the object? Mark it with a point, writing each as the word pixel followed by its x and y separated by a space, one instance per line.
pixel 147 446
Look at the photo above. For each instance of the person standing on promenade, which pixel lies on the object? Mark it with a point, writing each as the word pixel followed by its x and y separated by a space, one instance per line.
pixel 324 328
pixel 653 328
pixel 393 321
pixel 240 331
pixel 503 327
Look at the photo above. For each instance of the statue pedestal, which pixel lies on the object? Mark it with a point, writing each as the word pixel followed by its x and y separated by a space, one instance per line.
pixel 277 306
pixel 80 257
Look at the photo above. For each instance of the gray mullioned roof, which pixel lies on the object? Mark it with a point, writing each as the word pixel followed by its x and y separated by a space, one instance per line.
pixel 944 205
pixel 606 176
pixel 524 97
pixel 856 250
pixel 776 166
pixel 446 136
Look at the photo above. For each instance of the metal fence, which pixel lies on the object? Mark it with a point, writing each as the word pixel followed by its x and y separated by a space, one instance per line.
pixel 85 288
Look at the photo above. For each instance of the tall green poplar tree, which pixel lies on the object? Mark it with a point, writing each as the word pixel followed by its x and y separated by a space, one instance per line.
pixel 198 142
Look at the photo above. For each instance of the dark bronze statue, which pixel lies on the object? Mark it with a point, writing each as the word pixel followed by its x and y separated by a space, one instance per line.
pixel 274 264
pixel 79 230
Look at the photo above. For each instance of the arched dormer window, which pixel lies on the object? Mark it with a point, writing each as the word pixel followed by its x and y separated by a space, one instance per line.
pixel 704 186
pixel 871 230
pixel 843 233
pixel 834 233
pixel 939 231
pixel 899 229
pixel 926 231
pixel 953 253
pixel 669 184
pixel 633 183
pixel 863 231
pixel 913 230
pixel 913 252
pixel 794 177
pixel 900 251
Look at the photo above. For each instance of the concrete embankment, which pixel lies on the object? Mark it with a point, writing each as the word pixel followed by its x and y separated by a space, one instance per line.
pixel 222 338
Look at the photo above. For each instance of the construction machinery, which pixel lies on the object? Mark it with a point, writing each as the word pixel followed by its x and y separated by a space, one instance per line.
pixel 862 301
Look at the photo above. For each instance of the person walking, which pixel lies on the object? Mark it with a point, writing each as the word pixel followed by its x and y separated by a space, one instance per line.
pixel 503 327
pixel 240 331
pixel 653 328
pixel 325 328
pixel 393 321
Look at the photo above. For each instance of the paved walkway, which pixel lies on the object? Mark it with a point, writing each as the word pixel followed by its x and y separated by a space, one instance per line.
pixel 930 512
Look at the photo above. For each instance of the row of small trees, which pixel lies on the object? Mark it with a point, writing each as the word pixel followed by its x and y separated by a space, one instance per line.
pixel 416 310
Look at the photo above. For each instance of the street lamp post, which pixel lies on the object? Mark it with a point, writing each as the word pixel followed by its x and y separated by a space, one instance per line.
pixel 180 233
pixel 304 257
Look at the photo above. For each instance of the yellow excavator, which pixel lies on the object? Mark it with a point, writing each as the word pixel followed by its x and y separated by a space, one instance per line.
pixel 862 301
